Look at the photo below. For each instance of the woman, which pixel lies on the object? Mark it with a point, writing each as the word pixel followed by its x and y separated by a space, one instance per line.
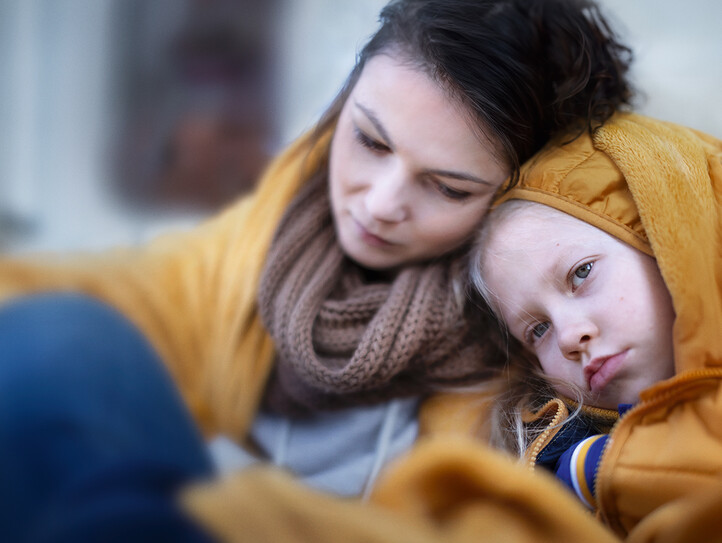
pixel 308 320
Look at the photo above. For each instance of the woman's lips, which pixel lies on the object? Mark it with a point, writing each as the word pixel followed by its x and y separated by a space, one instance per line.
pixel 600 371
pixel 369 238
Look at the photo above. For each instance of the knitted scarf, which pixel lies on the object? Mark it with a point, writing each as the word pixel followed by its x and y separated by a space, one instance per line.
pixel 343 340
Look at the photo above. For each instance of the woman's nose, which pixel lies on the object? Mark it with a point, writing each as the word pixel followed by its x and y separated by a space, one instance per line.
pixel 574 336
pixel 387 198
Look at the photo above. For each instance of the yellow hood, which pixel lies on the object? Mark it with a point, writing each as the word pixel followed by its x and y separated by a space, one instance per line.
pixel 658 187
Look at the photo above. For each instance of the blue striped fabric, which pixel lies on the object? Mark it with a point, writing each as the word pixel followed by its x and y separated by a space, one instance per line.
pixel 578 466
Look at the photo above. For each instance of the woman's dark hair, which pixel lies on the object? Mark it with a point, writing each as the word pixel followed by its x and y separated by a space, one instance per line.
pixel 527 69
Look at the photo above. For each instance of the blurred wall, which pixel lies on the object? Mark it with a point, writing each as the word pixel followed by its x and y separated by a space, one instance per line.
pixel 55 111
pixel 59 99
pixel 677 67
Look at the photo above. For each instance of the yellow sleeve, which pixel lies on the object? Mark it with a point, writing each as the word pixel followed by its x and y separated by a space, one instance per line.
pixel 192 294
pixel 449 490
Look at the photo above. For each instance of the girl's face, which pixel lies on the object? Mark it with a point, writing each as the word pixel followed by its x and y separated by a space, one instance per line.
pixel 594 310
pixel 410 179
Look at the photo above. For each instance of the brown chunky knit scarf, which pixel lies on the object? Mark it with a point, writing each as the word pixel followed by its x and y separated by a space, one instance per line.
pixel 343 340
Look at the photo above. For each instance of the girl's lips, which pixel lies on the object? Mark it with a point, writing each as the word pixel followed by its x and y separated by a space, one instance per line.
pixel 600 371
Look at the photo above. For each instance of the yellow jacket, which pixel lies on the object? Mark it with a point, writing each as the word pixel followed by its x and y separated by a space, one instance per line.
pixel 658 187
pixel 193 295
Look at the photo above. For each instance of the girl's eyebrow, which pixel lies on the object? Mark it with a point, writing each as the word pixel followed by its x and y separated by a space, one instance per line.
pixel 462 176
pixel 371 116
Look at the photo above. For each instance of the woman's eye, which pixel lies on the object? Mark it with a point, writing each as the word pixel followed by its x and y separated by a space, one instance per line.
pixel 539 330
pixel 452 194
pixel 370 143
pixel 580 274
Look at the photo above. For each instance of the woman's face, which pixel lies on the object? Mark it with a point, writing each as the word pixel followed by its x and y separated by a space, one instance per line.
pixel 410 178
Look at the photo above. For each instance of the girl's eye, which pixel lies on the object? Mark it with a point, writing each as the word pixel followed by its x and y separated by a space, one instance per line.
pixel 539 330
pixel 580 274
pixel 370 143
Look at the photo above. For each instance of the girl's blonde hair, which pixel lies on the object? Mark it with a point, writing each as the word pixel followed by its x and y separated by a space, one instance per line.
pixel 525 387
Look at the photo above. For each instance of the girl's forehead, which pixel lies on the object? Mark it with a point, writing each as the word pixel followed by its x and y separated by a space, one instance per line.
pixel 525 221
pixel 532 232
pixel 524 217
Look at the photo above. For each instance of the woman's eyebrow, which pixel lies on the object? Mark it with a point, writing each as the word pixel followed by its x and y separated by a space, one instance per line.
pixel 463 177
pixel 371 116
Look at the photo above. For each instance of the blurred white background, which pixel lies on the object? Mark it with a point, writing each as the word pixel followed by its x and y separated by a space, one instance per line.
pixel 66 83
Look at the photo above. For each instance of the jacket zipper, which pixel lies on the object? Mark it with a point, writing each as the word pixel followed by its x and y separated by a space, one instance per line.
pixel 542 439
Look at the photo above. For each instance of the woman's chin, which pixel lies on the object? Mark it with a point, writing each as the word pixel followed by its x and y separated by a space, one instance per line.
pixel 372 258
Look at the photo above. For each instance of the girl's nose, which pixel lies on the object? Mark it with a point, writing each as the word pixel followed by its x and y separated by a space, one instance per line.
pixel 574 337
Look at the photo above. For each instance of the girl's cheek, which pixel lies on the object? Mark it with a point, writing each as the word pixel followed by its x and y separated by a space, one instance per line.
pixel 549 367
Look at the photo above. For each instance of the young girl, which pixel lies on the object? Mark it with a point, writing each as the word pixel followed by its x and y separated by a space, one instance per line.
pixel 309 320
pixel 603 263
pixel 593 310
